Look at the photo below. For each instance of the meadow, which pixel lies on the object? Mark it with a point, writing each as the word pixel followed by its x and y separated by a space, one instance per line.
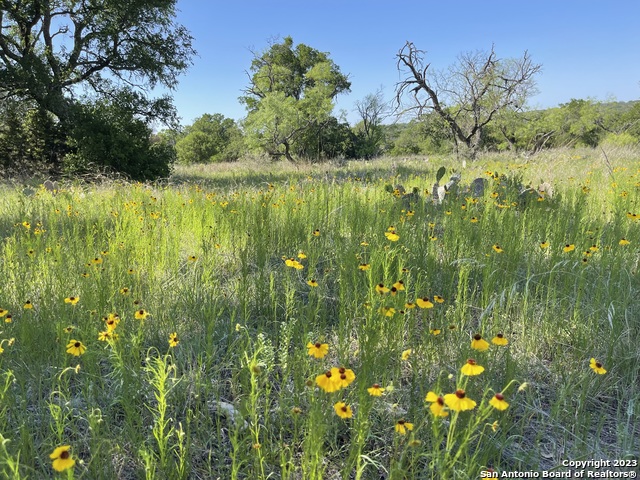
pixel 253 321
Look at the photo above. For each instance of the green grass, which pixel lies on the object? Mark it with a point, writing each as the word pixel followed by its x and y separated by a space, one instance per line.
pixel 237 397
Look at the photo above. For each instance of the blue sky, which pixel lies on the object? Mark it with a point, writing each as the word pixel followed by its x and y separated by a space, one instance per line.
pixel 587 48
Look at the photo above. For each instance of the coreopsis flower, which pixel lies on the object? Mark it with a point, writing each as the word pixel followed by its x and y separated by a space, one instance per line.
pixel 437 404
pixel 173 339
pixel 597 367
pixel 141 314
pixel 312 283
pixel 72 300
pixel 458 401
pixel 392 236
pixel 399 285
pixel 62 459
pixel 125 291
pixel 499 339
pixel 624 241
pixel 403 426
pixel 318 350
pixel 424 302
pixel 375 390
pixel 327 382
pixel 316 233
pixel 569 247
pixel 471 368
pixel 409 305
pixel 406 354
pixel 75 348
pixel 478 343
pixel 497 248
pixel 342 376
pixel 3 312
pixel 544 245
pixel 438 299
pixel 364 266
pixel 28 305
pixel 343 410
pixel 381 289
pixel 498 402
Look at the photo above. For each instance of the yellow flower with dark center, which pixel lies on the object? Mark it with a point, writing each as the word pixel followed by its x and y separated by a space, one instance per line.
pixel 410 213
pixel 141 314
pixel 497 248
pixel 594 248
pixel 375 390
pixel 69 329
pixel 28 305
pixel 96 261
pixel 173 339
pixel 125 291
pixel 9 319
pixel 402 426
pixel 544 245
pixel 131 271
pixel 394 291
pixel 437 404
pixel 72 300
pixel 435 331
pixel 392 236
pixel 399 285
pixel 316 233
pixel 498 402
pixel 406 354
pixel 471 368
pixel 381 289
pixel 3 312
pixel 302 255
pixel 105 336
pixel 478 343
pixel 624 241
pixel 499 339
pixel 473 220
pixel 75 348
pixel 458 401
pixel 343 410
pixel 312 282
pixel 342 376
pixel 448 212
pixel 364 266
pixel 438 299
pixel 327 382
pixel 62 459
pixel 318 350
pixel 424 302
pixel 387 311
pixel 409 305
pixel 568 248
pixel 597 367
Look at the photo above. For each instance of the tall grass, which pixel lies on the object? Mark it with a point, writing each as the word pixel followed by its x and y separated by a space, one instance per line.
pixel 204 256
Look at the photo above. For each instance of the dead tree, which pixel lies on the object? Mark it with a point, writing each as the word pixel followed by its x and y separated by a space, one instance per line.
pixel 469 94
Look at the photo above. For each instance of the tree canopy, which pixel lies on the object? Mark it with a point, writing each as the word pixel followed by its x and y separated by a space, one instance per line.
pixel 291 91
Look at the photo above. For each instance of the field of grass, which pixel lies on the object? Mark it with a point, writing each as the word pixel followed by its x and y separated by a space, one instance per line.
pixel 178 330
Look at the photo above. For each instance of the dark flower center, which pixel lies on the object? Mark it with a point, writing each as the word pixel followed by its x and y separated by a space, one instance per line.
pixel 77 344
pixel 328 373
pixel 598 365
pixel 500 335
pixel 342 370
pixel 471 361
pixel 499 396
pixel 376 385
pixel 64 455
pixel 460 393
pixel 317 345
pixel 344 408
pixel 440 401
pixel 477 336
pixel 400 422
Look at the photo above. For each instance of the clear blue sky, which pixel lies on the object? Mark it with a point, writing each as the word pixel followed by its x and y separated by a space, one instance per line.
pixel 587 48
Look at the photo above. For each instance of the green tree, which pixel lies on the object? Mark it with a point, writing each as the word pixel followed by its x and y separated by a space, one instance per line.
pixel 291 91
pixel 211 138
pixel 113 48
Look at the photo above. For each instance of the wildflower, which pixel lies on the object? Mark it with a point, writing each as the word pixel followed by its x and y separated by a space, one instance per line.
pixel 8 319
pixel 342 376
pixel 141 314
pixel 125 291
pixel 399 285
pixel 296 410
pixel 327 382
pixel 3 312
pixel 471 368
pixel 402 426
pixel 96 261
pixel 28 305
pixel 69 329
pixel 105 336
pixel 569 248
pixel 409 305
pixel 364 266
pixel 131 271
pixel 75 348
pixel 173 339
pixel 318 350
pixel 497 248
pixel 499 340
pixel 312 283
pixel 458 401
pixel 62 459
pixel 594 248
pixel 494 426
pixel 381 289
pixel 438 299
pixel 544 245
pixel 474 220
pixel 343 410
pixel 302 255
pixel 478 343
pixel 72 300
pixel 437 404
pixel 424 302
pixel 624 241
pixel 406 354
pixel 498 402
pixel 316 233
pixel 392 236
pixel 375 390
pixel 388 311
pixel 523 386
pixel 597 367
pixel 435 331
